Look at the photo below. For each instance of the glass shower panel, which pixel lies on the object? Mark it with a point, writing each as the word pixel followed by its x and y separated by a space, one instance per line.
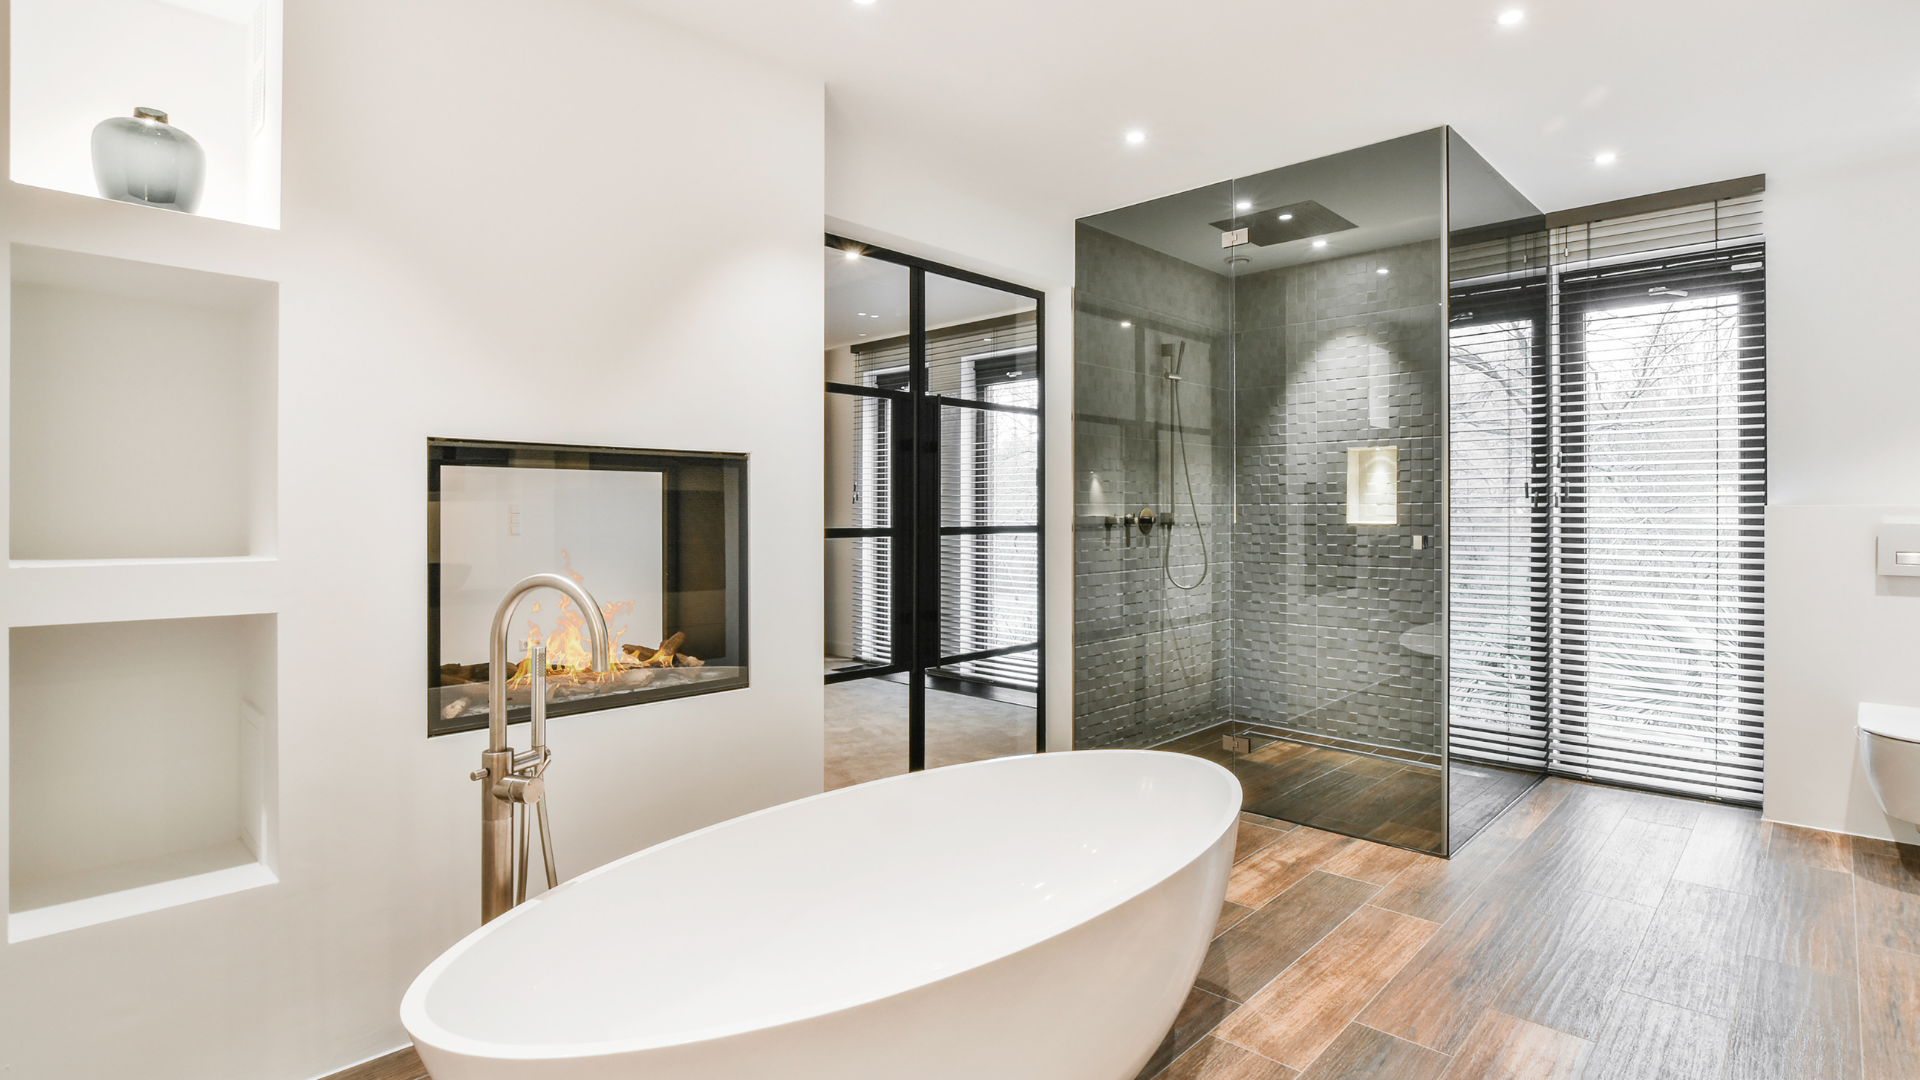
pixel 1260 381
pixel 1153 471
pixel 1338 605
pixel 1498 469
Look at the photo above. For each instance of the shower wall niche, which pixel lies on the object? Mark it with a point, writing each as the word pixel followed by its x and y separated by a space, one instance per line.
pixel 1261 369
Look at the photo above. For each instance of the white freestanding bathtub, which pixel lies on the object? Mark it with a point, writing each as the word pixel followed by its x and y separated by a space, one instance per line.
pixel 1034 917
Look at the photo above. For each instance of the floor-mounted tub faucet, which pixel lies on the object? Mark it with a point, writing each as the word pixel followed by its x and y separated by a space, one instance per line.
pixel 513 782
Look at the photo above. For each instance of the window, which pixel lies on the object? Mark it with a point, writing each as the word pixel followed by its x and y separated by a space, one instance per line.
pixel 1658 518
pixel 1608 492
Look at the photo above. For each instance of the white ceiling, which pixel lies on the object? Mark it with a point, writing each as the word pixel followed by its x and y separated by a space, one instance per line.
pixel 1025 102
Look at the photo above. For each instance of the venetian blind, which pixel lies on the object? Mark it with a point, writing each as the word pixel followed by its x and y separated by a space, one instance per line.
pixel 1658 478
pixel 989 480
pixel 1497 485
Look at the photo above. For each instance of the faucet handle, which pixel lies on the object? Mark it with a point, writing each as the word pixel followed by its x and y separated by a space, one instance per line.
pixel 527 790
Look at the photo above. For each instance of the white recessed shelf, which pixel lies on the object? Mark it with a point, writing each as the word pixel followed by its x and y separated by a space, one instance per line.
pixel 212 65
pixel 143 409
pixel 141 767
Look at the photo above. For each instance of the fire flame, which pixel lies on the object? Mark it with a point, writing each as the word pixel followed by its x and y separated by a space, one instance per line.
pixel 569 647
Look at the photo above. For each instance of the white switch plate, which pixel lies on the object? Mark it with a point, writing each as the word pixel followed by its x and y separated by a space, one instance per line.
pixel 1892 542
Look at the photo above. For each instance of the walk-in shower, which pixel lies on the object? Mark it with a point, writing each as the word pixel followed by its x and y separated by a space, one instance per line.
pixel 1264 365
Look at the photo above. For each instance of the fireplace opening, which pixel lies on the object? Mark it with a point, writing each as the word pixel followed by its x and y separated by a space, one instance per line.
pixel 656 537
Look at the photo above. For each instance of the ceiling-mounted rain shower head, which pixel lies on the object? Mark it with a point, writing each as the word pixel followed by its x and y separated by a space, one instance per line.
pixel 1284 224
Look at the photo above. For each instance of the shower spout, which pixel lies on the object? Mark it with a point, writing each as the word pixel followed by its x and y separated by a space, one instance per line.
pixel 513 783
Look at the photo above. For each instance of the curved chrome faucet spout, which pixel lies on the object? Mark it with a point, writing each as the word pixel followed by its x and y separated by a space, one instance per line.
pixel 498 641
pixel 508 783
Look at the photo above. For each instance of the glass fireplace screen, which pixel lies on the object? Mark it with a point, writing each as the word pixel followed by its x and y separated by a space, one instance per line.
pixel 658 538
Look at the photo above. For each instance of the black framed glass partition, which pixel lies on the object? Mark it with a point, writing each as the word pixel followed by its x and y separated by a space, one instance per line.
pixel 935 390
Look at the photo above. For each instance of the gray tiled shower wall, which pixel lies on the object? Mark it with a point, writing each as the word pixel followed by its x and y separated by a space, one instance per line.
pixel 1150 657
pixel 1302 620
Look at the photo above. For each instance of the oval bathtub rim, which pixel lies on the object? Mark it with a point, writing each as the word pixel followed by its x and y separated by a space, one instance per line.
pixel 421 1028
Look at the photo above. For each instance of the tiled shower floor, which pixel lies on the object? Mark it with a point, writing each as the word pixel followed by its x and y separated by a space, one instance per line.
pixel 1327 787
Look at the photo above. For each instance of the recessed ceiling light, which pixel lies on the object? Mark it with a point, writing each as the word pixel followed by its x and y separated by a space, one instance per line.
pixel 863 314
pixel 1319 243
pixel 1605 157
pixel 852 254
pixel 1382 270
pixel 1510 17
pixel 1135 138
pixel 1286 217
pixel 1125 325
pixel 1243 204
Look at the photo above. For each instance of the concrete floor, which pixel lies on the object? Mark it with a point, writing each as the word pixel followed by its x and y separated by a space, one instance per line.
pixel 867 730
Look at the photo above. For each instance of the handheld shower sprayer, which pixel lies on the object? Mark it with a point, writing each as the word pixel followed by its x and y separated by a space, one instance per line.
pixel 1172 356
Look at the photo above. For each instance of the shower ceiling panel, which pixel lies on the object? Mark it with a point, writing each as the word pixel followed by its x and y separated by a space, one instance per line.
pixel 1382 195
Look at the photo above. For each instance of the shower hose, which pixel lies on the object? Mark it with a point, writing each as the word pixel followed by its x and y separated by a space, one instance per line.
pixel 1186 465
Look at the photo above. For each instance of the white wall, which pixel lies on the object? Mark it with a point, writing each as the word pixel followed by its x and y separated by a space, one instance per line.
pixel 889 200
pixel 1844 437
pixel 548 222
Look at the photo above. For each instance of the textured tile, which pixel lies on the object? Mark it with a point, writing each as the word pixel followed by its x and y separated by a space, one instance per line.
pixel 1886 890
pixel 1692 954
pixel 1230 914
pixel 1211 1059
pixel 1808 847
pixel 1651 1040
pixel 1305 1009
pixel 1637 862
pixel 1503 1047
pixel 1376 863
pixel 1362 1053
pixel 1198 1016
pixel 1247 957
pixel 1794 1024
pixel 1890 1013
pixel 1275 868
pixel 1725 851
pixel 1568 983
pixel 1252 838
pixel 1806 918
pixel 1666 809
pixel 1439 995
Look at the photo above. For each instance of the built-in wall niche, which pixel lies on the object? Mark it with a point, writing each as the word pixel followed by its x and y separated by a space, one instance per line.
pixel 143 410
pixel 140 767
pixel 212 65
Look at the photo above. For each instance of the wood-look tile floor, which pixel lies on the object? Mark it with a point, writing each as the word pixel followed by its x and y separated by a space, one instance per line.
pixel 1590 933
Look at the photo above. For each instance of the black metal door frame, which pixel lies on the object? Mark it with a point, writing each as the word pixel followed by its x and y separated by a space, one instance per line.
pixel 914 527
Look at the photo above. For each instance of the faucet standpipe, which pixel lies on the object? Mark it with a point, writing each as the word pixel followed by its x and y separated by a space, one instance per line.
pixel 517 789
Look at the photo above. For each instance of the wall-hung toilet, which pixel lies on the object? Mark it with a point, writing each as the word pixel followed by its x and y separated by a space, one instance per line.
pixel 1890 747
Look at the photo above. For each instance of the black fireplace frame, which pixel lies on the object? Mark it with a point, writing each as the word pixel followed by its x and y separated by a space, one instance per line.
pixel 686 475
